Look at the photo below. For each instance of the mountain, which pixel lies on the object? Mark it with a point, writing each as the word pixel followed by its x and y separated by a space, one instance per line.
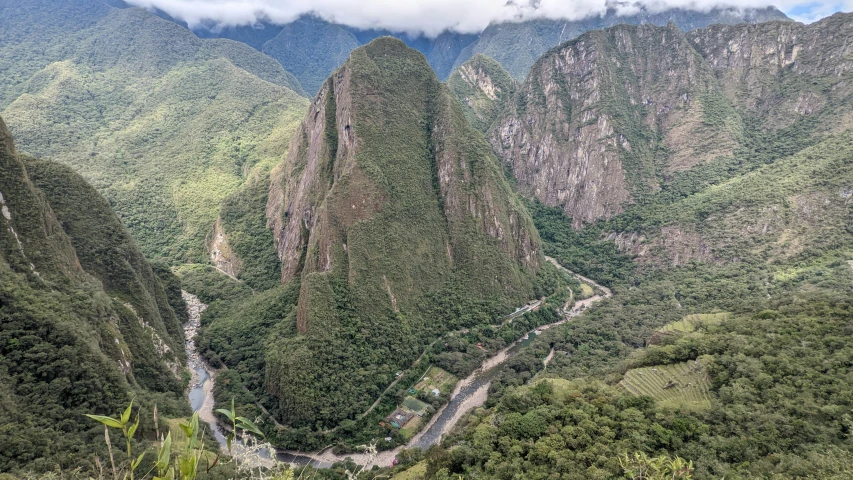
pixel 517 45
pixel 594 128
pixel 730 264
pixel 483 88
pixel 780 77
pixel 164 124
pixel 384 165
pixel 85 321
pixel 311 48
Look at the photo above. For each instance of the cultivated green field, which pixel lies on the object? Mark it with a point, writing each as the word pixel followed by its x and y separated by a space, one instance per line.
pixel 691 323
pixel 683 384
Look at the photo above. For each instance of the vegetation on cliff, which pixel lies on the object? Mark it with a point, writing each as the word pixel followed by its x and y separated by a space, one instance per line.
pixel 85 322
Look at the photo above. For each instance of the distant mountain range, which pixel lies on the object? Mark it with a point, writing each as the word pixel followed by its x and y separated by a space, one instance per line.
pixel 311 48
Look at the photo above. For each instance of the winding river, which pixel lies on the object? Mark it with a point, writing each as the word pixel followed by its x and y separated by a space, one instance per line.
pixel 469 393
pixel 201 381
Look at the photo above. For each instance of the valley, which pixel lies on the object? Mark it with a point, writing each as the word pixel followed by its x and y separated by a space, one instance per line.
pixel 551 248
pixel 469 393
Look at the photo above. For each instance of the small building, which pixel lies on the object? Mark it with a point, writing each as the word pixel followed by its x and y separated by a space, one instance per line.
pixel 435 392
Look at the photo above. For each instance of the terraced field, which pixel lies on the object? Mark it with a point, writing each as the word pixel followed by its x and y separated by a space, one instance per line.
pixel 692 322
pixel 683 384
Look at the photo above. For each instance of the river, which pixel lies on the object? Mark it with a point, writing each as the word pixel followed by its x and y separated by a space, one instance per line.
pixel 201 382
pixel 469 393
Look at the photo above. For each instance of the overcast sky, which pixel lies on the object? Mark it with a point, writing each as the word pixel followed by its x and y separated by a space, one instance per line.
pixel 433 16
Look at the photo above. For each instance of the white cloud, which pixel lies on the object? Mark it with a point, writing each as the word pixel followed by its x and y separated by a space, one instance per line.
pixel 431 17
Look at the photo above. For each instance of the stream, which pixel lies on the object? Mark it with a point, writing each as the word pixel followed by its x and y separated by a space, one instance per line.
pixel 201 382
pixel 469 393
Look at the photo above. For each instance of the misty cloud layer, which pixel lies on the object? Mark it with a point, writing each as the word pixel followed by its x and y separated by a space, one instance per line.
pixel 431 17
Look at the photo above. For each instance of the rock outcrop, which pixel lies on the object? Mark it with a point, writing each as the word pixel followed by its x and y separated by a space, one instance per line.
pixel 603 121
pixel 517 45
pixel 483 88
pixel 784 72
pixel 597 125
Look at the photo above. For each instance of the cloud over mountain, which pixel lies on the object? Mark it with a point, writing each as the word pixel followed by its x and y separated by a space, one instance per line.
pixel 431 17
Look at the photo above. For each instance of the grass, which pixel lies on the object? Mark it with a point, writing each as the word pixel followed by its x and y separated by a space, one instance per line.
pixel 414 404
pixel 691 323
pixel 415 472
pixel 436 378
pixel 685 384
pixel 586 291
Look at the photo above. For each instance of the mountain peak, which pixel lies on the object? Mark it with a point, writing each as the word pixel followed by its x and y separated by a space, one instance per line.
pixel 387 200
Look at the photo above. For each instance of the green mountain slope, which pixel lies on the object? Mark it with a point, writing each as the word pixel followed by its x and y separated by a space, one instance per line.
pixel 85 322
pixel 311 48
pixel 164 124
pixel 394 221
pixel 483 88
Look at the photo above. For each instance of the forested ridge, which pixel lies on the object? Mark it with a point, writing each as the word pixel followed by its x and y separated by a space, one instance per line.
pixel 86 322
pixel 162 123
pixel 347 245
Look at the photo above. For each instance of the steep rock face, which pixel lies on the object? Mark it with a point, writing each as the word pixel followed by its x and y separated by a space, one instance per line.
pixel 596 125
pixel 517 45
pixel 785 72
pixel 388 196
pixel 222 255
pixel 483 88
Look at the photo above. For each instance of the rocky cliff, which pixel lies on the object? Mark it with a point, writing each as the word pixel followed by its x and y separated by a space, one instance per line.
pixel 517 45
pixel 785 73
pixel 483 88
pixel 596 124
pixel 613 117
pixel 389 196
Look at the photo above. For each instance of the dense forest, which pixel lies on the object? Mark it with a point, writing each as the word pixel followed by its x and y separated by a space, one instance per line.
pixel 86 323
pixel 347 245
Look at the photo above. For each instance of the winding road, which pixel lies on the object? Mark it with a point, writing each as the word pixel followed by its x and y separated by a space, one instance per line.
pixel 469 393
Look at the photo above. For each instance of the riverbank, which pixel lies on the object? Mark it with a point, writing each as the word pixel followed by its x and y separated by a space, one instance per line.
pixel 469 393
pixel 202 378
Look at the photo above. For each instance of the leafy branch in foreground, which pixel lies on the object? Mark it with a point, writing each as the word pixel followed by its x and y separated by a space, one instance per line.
pixel 252 460
pixel 128 429
pixel 238 422
pixel 186 463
